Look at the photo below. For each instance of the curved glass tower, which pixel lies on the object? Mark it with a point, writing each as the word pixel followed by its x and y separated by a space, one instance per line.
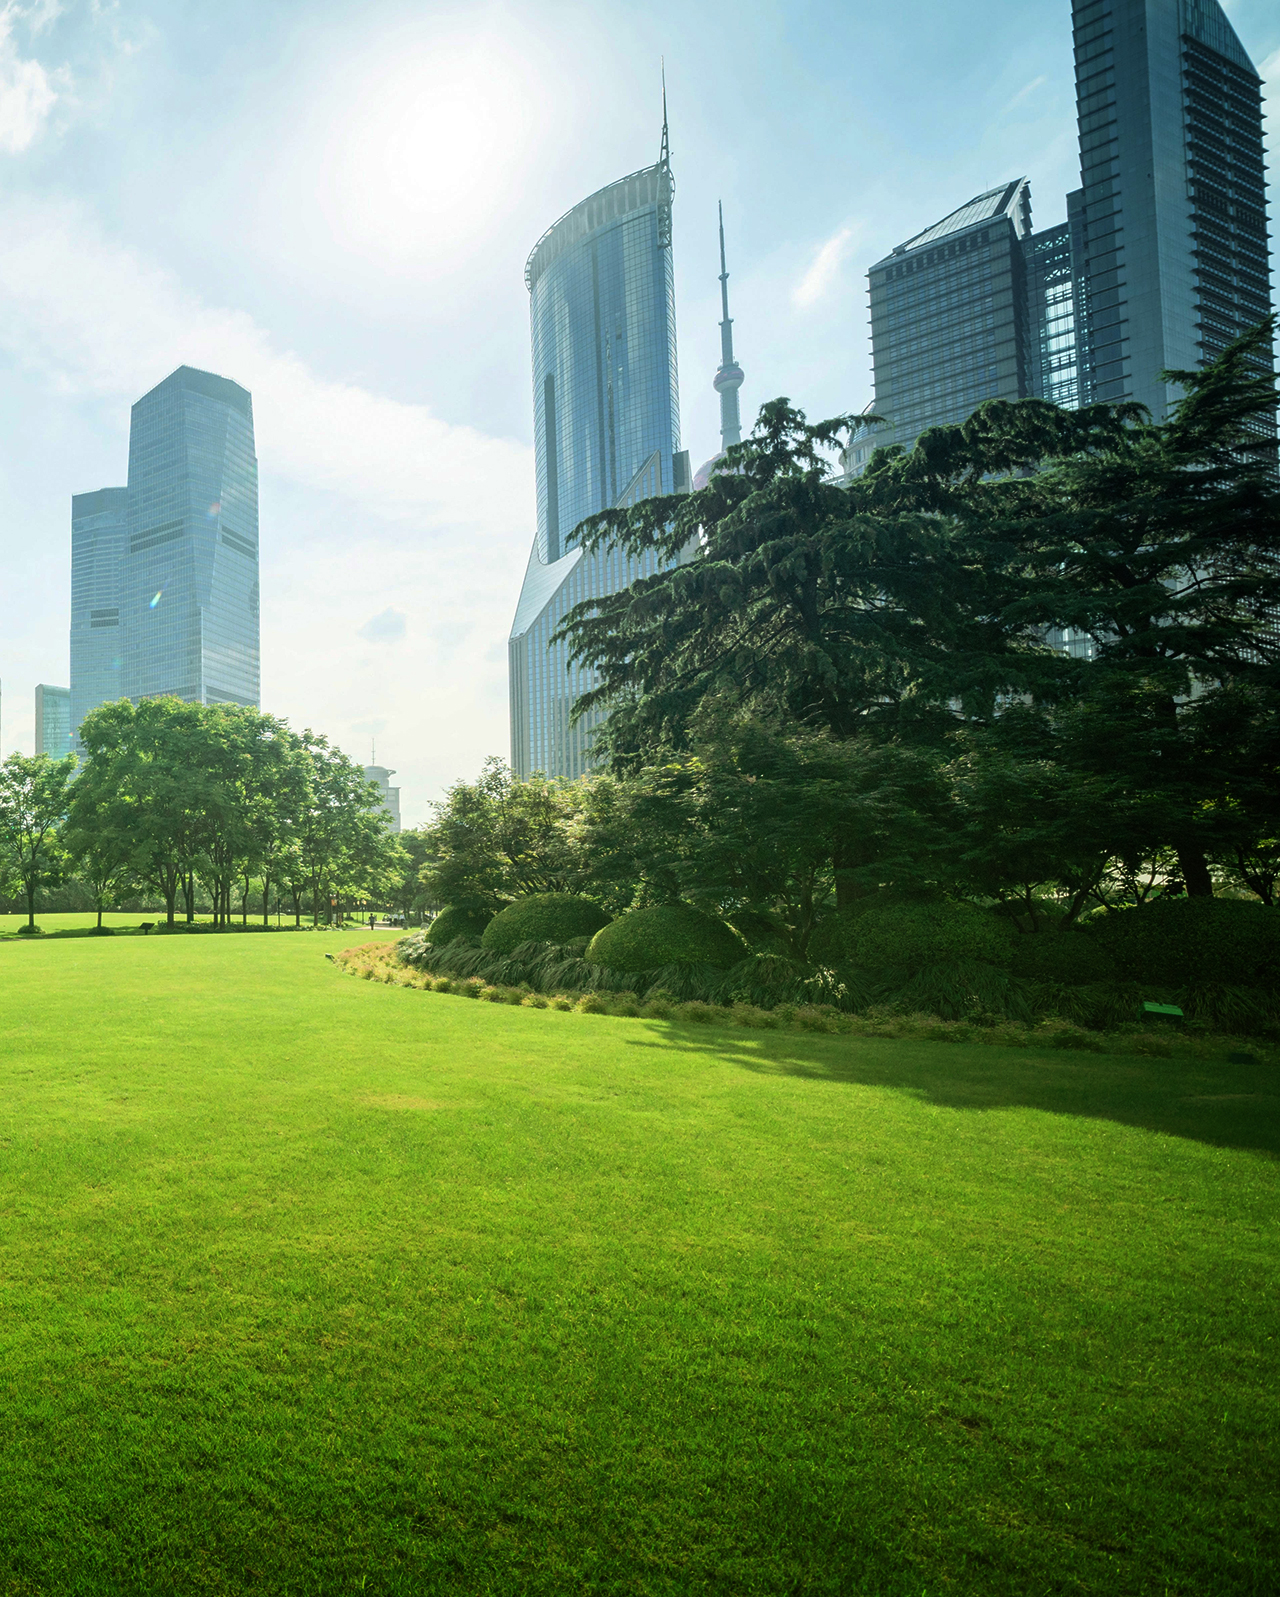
pixel 606 433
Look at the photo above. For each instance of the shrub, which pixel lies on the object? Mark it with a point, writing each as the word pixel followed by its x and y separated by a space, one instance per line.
pixel 1194 941
pixel 543 918
pixel 701 1014
pixel 1069 954
pixel 668 934
pixel 456 921
pixel 759 933
pixel 907 936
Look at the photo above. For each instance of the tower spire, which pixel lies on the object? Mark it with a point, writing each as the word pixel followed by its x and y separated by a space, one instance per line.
pixel 664 155
pixel 728 380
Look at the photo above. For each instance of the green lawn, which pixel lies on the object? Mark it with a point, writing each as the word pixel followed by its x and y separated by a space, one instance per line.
pixel 314 1285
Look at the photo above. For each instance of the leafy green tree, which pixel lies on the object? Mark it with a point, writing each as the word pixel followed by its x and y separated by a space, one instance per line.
pixel 785 826
pixel 922 600
pixel 498 838
pixel 33 806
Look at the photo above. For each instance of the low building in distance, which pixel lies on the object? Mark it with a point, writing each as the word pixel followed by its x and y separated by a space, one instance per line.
pixel 380 776
pixel 53 721
pixel 164 573
pixel 606 433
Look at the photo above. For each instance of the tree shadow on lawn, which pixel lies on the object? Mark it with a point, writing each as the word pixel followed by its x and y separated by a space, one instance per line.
pixel 1224 1105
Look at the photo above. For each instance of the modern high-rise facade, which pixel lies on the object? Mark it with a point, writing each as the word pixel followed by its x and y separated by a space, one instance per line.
pixel 1175 262
pixel 99 539
pixel 165 597
pixel 53 721
pixel 949 315
pixel 606 433
pixel 1162 260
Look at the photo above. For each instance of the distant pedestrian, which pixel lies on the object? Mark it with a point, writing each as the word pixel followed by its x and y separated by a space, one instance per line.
pixel 373 921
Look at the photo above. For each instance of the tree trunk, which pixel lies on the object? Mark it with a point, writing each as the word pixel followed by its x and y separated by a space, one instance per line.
pixel 170 899
pixel 1195 869
pixel 31 901
pixel 99 914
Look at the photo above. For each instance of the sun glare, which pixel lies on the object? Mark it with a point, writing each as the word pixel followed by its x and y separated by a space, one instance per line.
pixel 428 149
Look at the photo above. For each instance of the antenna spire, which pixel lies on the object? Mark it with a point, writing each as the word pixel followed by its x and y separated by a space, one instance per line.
pixel 728 380
pixel 664 157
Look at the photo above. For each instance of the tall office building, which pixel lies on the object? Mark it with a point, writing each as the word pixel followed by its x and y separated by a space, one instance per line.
pixel 99 536
pixel 949 316
pixel 1162 260
pixel 164 574
pixel 606 433
pixel 53 721
pixel 1174 239
pixel 190 590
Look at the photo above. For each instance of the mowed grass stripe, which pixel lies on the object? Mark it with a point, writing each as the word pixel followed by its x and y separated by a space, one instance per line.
pixel 307 1281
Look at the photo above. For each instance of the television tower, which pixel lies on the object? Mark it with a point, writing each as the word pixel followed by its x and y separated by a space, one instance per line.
pixel 728 380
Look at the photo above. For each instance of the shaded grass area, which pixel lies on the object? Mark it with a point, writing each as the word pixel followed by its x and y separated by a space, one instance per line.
pixel 317 1285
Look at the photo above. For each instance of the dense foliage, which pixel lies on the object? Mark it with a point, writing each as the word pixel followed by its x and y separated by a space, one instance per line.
pixel 178 799
pixel 1017 687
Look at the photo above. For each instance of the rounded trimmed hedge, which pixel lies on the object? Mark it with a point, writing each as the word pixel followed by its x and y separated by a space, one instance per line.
pixel 1194 942
pixel 1068 954
pixel 456 921
pixel 543 918
pixel 911 936
pixel 667 934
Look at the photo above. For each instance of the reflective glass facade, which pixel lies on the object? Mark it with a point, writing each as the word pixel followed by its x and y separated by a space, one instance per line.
pixel 99 535
pixel 189 591
pixel 1163 259
pixel 1175 260
pixel 164 573
pixel 606 432
pixel 53 721
pixel 949 320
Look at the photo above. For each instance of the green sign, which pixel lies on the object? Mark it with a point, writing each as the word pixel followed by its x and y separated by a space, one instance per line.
pixel 1163 1009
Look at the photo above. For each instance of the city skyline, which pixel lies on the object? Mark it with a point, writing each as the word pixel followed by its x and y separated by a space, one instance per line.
pixel 387 354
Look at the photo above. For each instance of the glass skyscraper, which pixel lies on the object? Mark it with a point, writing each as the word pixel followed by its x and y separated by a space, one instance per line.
pixel 53 721
pixel 1161 263
pixel 165 597
pixel 1175 262
pixel 949 316
pixel 99 536
pixel 606 433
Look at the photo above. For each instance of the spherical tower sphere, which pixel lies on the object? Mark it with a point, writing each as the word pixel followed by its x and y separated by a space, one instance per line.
pixel 728 377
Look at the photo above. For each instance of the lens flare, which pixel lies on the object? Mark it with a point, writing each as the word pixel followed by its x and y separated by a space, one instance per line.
pixel 155 601
pixel 215 509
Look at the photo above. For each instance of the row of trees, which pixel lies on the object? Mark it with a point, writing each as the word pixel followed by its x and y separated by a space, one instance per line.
pixel 182 800
pixel 848 687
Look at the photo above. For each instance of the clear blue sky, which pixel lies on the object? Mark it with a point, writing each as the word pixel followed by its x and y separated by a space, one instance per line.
pixel 332 203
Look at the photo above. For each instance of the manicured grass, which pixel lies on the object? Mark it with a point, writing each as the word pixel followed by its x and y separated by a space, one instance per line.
pixel 79 924
pixel 314 1285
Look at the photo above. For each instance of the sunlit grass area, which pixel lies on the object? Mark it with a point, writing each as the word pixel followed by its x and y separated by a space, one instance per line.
pixel 310 1284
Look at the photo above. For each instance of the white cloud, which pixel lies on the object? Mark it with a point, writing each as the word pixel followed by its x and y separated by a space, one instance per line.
pixel 371 507
pixel 386 627
pixel 27 92
pixel 823 270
